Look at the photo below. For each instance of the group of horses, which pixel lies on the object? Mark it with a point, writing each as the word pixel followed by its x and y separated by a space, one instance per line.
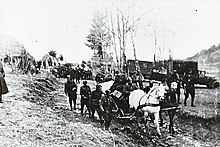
pixel 151 104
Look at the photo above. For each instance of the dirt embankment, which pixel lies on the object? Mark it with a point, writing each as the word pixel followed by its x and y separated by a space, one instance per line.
pixel 35 113
pixel 31 117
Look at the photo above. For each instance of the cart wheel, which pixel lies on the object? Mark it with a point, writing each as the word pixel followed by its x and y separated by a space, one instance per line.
pixel 120 113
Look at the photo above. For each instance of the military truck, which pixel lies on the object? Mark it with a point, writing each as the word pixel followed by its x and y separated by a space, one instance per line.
pixel 137 65
pixel 147 68
pixel 201 76
pixel 207 79
pixel 153 71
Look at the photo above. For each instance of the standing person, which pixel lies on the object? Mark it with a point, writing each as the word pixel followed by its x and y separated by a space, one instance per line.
pixel 176 78
pixel 70 90
pixel 78 75
pixel 94 101
pixel 3 85
pixel 189 88
pixel 140 79
pixel 128 88
pixel 107 104
pixel 85 93
pixel 134 80
pixel 167 79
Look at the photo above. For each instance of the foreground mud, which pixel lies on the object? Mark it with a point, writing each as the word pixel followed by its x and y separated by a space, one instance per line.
pixel 35 113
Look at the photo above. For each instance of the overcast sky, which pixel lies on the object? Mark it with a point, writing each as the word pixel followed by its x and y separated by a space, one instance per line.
pixel 183 26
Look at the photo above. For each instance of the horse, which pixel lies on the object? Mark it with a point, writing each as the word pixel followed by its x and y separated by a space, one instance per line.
pixel 170 105
pixel 148 103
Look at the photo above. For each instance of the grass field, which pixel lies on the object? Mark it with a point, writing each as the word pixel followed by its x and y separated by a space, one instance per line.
pixel 207 103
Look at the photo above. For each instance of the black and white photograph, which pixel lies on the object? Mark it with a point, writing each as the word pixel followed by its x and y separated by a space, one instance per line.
pixel 109 73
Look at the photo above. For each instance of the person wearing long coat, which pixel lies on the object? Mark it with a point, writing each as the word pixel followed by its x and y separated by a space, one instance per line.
pixel 85 93
pixel 70 90
pixel 3 85
pixel 94 101
pixel 107 104
pixel 189 88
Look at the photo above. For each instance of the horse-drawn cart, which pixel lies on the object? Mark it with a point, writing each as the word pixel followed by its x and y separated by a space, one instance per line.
pixel 143 104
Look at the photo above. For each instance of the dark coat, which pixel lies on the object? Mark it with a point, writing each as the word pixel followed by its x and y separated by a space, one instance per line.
pixel 70 88
pixel 95 97
pixel 85 91
pixel 107 104
pixel 189 81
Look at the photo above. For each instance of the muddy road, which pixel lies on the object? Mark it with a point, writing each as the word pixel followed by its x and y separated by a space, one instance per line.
pixel 36 113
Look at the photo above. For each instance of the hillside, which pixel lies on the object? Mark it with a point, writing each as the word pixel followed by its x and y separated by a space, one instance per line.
pixel 208 60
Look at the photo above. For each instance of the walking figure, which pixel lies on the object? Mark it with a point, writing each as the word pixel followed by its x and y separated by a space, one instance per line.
pixel 95 100
pixel 85 93
pixel 107 104
pixel 188 81
pixel 70 90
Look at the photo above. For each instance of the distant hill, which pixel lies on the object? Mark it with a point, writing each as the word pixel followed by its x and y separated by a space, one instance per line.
pixel 208 60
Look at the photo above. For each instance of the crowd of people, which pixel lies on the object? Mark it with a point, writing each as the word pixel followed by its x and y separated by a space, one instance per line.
pixel 103 103
pixel 94 101
pixel 186 82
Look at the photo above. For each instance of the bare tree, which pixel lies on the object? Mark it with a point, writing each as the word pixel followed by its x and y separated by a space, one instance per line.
pixel 123 28
pixel 114 40
pixel 115 34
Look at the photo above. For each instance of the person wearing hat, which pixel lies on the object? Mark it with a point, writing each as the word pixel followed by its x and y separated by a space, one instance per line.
pixel 70 90
pixel 94 101
pixel 107 104
pixel 128 88
pixel 189 89
pixel 85 93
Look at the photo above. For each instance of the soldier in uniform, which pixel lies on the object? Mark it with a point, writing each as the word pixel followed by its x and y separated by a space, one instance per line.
pixel 134 80
pixel 140 79
pixel 107 104
pixel 78 74
pixel 128 88
pixel 70 90
pixel 94 101
pixel 189 88
pixel 85 93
